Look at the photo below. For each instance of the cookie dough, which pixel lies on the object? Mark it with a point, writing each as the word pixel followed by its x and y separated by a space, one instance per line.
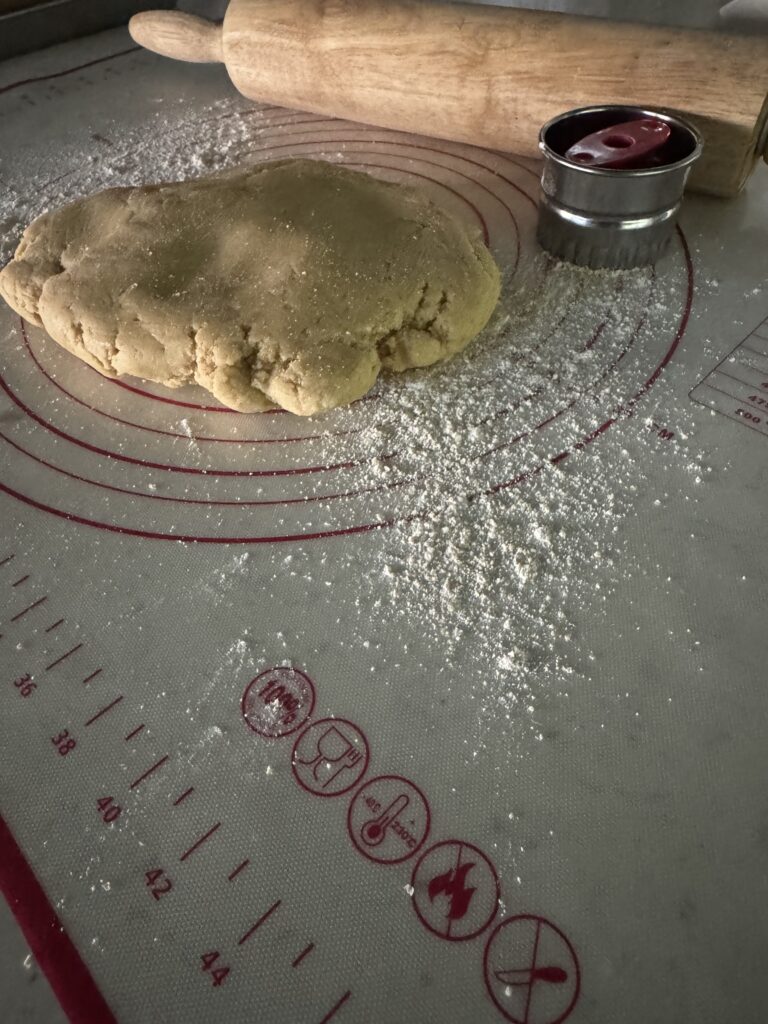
pixel 291 283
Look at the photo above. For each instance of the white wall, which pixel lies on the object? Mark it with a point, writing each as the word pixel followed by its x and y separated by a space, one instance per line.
pixel 749 14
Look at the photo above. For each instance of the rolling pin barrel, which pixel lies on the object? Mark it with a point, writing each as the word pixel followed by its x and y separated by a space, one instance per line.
pixel 489 76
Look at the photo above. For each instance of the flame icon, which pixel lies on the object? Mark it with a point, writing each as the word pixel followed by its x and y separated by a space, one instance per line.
pixel 452 883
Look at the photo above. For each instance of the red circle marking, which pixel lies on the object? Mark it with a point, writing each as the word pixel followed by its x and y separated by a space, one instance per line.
pixel 424 177
pixel 203 408
pixel 245 503
pixel 518 188
pixel 314 730
pixel 171 433
pixel 498 414
pixel 298 471
pixel 432 163
pixel 292 693
pixel 530 968
pixel 550 419
pixel 624 411
pixel 183 538
pixel 353 804
pixel 339 127
pixel 420 866
pixel 185 405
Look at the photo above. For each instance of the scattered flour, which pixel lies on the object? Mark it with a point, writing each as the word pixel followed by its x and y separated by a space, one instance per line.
pixel 495 545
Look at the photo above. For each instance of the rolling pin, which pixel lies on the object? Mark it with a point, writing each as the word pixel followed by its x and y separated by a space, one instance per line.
pixel 490 76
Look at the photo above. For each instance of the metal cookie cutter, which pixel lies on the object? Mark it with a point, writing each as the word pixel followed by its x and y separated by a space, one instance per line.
pixel 613 183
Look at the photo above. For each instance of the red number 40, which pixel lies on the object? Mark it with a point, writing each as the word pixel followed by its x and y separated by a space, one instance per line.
pixel 109 809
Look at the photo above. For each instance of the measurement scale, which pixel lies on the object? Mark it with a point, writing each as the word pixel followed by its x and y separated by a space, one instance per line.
pixel 738 386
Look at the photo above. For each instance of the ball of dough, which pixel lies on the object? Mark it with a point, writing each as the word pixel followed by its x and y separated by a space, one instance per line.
pixel 291 283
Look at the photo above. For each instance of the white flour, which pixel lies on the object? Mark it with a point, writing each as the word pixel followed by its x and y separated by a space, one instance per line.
pixel 493 578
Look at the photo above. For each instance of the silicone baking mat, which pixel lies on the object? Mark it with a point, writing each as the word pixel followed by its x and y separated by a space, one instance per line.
pixel 235 784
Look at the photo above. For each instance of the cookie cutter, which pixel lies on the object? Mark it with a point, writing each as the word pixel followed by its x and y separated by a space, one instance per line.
pixel 616 216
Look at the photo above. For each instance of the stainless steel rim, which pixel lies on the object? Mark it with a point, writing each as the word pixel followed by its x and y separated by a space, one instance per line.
pixel 609 108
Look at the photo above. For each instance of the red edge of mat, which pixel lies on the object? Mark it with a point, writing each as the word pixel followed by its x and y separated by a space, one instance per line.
pixel 53 949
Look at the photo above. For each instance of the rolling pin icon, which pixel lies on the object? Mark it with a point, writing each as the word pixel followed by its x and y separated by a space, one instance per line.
pixel 490 76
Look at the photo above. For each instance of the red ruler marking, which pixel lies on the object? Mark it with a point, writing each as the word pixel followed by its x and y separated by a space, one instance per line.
pixel 135 732
pixel 754 351
pixel 259 923
pixel 335 1009
pixel 238 869
pixel 20 615
pixel 532 971
pixel 200 841
pixel 183 796
pixel 91 676
pixel 303 953
pixel 148 772
pixel 67 71
pixel 63 657
pixel 104 710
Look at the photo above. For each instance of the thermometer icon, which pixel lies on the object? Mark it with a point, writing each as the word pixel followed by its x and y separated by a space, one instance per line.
pixel 373 832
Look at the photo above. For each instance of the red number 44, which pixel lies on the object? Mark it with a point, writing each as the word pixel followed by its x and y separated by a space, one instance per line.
pixel 218 974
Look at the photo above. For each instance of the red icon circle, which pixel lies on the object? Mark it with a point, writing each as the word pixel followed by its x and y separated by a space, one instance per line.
pixel 531 971
pixel 456 890
pixel 278 701
pixel 388 819
pixel 330 757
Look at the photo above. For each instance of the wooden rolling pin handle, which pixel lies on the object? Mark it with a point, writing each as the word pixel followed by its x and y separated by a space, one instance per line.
pixel 178 35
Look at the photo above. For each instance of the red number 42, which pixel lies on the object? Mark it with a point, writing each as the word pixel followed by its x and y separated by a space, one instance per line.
pixel 158 883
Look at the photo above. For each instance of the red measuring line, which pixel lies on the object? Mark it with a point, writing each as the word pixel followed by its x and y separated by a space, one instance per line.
pixel 744 346
pixel 148 772
pixel 738 380
pixel 259 923
pixel 532 971
pixel 63 657
pixel 200 841
pixel 104 710
pixel 54 625
pixel 303 953
pixel 67 71
pixel 335 1009
pixel 238 869
pixel 183 796
pixel 87 678
pixel 23 578
pixel 29 608
pixel 135 732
